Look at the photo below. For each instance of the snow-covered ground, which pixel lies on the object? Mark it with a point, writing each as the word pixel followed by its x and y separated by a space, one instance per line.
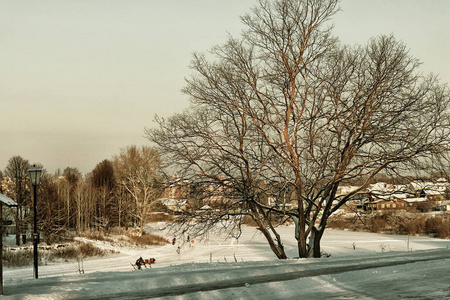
pixel 219 268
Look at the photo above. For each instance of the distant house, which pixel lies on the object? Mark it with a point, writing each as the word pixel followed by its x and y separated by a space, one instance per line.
pixel 430 190
pixel 178 188
pixel 412 201
pixel 175 205
pixel 385 204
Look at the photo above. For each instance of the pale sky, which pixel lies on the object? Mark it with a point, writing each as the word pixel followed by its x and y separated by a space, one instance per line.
pixel 80 79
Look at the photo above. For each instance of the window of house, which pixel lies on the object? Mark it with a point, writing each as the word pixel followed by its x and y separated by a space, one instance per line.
pixel 382 205
pixel 388 205
pixel 394 206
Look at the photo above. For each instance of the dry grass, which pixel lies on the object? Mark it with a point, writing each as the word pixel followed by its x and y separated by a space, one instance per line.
pixel 398 223
pixel 17 257
pixel 148 240
pixel 161 217
pixel 98 236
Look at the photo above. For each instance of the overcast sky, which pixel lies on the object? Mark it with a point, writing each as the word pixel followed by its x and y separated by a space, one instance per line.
pixel 81 79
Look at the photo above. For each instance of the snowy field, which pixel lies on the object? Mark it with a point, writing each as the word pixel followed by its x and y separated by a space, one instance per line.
pixel 219 268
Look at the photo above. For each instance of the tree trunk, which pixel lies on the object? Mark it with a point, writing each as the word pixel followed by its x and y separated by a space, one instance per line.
pixel 277 247
pixel 18 227
pixel 301 240
pixel 261 220
pixel 314 242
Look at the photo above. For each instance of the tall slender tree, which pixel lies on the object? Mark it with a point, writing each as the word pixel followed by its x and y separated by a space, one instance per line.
pixel 137 171
pixel 16 169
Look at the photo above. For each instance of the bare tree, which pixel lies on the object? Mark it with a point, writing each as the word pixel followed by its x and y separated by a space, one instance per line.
pixel 69 188
pixel 137 171
pixel 319 113
pixel 103 182
pixel 16 169
pixel 223 158
pixel 51 210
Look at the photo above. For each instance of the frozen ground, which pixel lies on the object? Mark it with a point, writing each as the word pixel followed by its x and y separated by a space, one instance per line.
pixel 220 268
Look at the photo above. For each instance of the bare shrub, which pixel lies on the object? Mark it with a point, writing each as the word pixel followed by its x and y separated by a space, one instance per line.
pixel 425 206
pixel 432 225
pixel 88 249
pixel 66 252
pixel 340 223
pixel 98 236
pixel 24 257
pixel 377 224
pixel 148 240
pixel 443 231
pixel 79 249
pixel 418 225
pixel 162 217
pixel 17 257
pixel 411 226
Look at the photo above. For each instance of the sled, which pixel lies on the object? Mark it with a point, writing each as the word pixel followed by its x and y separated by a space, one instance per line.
pixel 144 262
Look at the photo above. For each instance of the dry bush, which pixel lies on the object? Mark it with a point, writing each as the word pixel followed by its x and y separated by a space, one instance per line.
pixel 432 225
pixel 88 249
pixel 65 252
pixel 163 217
pixel 417 226
pixel 425 206
pixel 17 257
pixel 340 223
pixel 443 230
pixel 411 225
pixel 148 240
pixel 79 249
pixel 24 257
pixel 438 226
pixel 98 236
pixel 377 224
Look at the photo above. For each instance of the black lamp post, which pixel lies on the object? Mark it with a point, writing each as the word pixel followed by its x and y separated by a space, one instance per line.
pixel 35 178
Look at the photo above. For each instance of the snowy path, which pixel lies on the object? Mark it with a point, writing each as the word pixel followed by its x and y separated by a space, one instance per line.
pixel 202 281
pixel 216 278
pixel 364 273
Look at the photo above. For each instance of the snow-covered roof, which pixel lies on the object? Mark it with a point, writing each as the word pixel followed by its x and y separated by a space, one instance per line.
pixel 432 192
pixel 7 201
pixel 383 188
pixel 173 202
pixel 400 196
pixel 413 200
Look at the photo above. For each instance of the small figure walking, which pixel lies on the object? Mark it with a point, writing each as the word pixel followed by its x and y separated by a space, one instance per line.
pixel 173 241
pixel 354 246
pixel 178 250
pixel 188 239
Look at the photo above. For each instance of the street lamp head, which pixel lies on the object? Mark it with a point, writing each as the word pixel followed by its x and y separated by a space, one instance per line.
pixel 35 175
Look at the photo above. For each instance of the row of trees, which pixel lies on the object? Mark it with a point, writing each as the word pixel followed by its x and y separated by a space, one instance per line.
pixel 286 104
pixel 117 193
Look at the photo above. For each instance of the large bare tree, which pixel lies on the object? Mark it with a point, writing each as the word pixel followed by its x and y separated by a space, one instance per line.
pixel 137 171
pixel 315 112
pixel 221 155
